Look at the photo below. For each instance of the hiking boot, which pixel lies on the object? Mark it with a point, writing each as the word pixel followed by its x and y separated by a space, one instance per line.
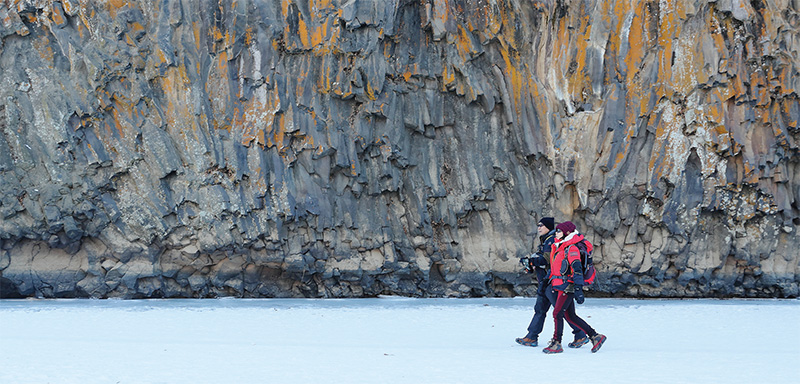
pixel 527 341
pixel 579 342
pixel 597 342
pixel 553 347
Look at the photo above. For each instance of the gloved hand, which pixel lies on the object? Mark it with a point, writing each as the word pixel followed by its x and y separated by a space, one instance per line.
pixel 538 261
pixel 579 295
pixel 526 264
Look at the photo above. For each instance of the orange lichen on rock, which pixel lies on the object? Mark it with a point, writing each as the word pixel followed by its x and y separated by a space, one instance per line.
pixel 463 44
pixel 57 15
pixel 257 117
pixel 519 83
pixel 114 5
pixel 448 77
pixel 637 40
pixel 42 45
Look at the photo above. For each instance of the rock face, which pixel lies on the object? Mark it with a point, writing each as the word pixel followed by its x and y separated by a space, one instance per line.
pixel 333 148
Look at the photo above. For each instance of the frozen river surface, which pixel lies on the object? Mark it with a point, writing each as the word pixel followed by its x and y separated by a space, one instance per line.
pixel 391 340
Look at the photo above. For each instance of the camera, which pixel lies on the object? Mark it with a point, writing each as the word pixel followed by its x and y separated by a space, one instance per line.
pixel 527 264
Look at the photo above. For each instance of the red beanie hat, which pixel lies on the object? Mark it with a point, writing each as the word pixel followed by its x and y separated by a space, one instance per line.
pixel 566 227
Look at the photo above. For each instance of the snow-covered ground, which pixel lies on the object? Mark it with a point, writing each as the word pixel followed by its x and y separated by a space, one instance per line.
pixel 391 340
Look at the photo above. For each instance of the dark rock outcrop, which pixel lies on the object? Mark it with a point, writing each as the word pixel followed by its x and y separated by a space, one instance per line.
pixel 336 148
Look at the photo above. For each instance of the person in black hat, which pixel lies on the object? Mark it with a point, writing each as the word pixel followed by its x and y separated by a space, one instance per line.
pixel 539 263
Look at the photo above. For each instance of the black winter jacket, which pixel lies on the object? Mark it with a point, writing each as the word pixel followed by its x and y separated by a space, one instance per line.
pixel 541 260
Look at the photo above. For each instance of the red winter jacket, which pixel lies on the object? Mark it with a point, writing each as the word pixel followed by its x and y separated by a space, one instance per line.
pixel 565 262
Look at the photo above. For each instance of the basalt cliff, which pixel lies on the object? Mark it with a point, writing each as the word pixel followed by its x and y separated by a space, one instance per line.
pixel 351 148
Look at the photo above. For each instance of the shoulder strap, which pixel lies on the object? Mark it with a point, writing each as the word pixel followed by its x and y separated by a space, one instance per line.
pixel 586 253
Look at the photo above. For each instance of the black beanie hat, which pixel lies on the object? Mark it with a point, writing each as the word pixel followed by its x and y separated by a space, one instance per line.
pixel 548 222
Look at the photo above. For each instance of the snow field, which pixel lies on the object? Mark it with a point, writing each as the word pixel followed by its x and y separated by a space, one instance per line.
pixel 391 340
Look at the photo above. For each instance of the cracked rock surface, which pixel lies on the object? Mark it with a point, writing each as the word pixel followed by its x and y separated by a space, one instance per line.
pixel 332 148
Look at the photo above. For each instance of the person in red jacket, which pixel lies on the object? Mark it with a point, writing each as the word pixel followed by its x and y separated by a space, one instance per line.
pixel 566 277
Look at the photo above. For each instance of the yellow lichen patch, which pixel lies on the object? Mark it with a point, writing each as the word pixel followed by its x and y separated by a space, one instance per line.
pixel 615 40
pixel 302 29
pixel 786 107
pixel 768 17
pixel 196 33
pixel 463 44
pixel 306 141
pixel 342 86
pixel 162 58
pixel 69 7
pixel 248 36
pixel 229 39
pixel 738 87
pixel 257 116
pixel 313 34
pixel 31 18
pixel 407 75
pixel 668 33
pixel 410 71
pixel 7 19
pixel 277 137
pixel 259 180
pixel 536 93
pixel 285 7
pixel 719 41
pixel 222 62
pixel 319 5
pixel 560 61
pixel 177 104
pixel 636 42
pixel 751 174
pixel 57 16
pixel 325 37
pixel 448 77
pixel 85 18
pixel 494 23
pixel 579 79
pixel 620 156
pixel 318 35
pixel 715 105
pixel 114 5
pixel 369 91
pixel 117 122
pixel 772 117
pixel 720 136
pixel 302 32
pixel 324 79
pixel 758 85
pixel 507 17
pixel 515 79
pixel 301 73
pixel 638 103
pixel 136 28
pixel 42 46
pixel 213 32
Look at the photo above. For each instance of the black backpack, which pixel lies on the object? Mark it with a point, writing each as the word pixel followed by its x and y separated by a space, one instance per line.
pixel 589 273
